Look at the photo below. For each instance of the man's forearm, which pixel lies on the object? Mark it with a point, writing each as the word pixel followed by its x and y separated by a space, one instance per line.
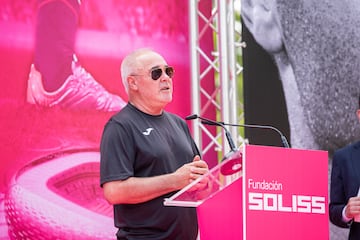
pixel 136 190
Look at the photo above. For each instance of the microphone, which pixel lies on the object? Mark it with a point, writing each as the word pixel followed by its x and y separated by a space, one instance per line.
pixel 282 136
pixel 211 122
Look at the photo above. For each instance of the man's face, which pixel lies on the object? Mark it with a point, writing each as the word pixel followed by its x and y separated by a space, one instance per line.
pixel 154 87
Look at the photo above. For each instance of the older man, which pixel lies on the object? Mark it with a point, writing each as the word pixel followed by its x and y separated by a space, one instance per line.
pixel 147 154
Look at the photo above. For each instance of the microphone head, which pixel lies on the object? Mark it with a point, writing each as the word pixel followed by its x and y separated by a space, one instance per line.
pixel 192 117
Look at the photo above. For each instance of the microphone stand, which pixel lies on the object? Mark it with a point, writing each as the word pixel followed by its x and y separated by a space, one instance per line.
pixel 283 138
pixel 234 157
pixel 211 122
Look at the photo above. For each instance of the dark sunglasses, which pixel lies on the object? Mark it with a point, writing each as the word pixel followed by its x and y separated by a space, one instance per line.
pixel 157 72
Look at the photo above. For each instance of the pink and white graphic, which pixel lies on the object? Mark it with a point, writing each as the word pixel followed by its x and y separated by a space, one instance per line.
pixel 59 198
pixel 285 193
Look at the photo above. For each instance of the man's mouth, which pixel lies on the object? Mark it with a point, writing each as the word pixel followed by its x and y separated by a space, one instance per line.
pixel 165 88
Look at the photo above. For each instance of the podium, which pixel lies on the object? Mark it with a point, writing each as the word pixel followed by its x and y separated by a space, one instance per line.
pixel 261 192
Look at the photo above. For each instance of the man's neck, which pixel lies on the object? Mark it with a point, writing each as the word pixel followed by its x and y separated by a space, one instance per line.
pixel 147 109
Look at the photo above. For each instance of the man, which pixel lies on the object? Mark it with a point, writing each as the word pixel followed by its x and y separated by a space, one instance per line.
pixel 345 184
pixel 147 154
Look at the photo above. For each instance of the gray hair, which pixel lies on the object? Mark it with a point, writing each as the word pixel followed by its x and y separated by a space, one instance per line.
pixel 130 65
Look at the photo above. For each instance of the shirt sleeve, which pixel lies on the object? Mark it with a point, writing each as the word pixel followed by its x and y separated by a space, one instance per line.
pixel 116 154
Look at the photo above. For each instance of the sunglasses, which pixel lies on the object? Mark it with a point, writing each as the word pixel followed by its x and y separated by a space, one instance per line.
pixel 157 72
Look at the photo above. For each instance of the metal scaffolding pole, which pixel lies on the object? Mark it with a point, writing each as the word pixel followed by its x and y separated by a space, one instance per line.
pixel 215 71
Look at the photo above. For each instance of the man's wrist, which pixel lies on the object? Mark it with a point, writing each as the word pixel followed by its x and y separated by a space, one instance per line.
pixel 344 217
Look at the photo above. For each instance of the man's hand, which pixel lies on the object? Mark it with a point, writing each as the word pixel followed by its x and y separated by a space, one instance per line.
pixel 191 171
pixel 353 207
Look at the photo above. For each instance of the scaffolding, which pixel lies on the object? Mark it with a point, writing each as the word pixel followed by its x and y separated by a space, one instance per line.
pixel 215 71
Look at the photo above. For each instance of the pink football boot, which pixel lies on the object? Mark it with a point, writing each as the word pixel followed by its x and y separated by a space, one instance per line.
pixel 80 91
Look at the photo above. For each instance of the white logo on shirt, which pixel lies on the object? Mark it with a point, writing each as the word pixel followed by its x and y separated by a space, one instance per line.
pixel 148 131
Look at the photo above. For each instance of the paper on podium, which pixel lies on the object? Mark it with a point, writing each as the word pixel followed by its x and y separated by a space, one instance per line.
pixel 203 188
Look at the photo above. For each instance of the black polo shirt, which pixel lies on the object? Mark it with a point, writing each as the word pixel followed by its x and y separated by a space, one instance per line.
pixel 136 144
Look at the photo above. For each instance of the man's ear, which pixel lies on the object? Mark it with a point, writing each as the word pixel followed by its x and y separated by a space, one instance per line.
pixel 132 82
pixel 263 21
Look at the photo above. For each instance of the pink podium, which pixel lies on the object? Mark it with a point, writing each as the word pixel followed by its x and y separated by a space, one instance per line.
pixel 262 192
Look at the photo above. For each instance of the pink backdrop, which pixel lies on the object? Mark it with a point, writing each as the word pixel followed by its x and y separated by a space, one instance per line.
pixel 49 156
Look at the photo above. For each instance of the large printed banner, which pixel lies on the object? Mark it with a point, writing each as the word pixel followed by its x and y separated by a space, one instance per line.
pixel 286 193
pixel 299 74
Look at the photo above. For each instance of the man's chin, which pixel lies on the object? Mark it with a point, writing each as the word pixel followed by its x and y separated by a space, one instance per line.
pixel 166 98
